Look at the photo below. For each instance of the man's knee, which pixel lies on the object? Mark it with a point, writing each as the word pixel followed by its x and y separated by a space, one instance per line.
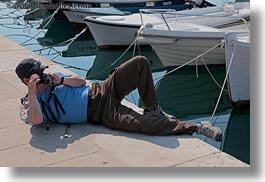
pixel 142 60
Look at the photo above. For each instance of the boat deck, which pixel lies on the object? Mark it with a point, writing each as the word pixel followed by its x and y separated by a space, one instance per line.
pixel 88 145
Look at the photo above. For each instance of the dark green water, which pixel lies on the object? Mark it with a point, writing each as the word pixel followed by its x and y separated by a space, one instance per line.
pixel 182 93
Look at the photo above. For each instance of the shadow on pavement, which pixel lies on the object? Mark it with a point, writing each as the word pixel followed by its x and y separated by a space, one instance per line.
pixel 53 139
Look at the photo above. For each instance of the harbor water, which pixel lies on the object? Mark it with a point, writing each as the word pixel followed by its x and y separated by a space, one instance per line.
pixel 188 93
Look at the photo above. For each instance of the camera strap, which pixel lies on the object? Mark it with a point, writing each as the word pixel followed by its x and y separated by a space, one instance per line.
pixel 47 108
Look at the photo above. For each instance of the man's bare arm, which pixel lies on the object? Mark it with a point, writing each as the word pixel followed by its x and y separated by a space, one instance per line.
pixel 35 114
pixel 72 81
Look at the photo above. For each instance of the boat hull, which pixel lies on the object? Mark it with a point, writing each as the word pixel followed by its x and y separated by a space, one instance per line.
pixel 239 73
pixel 126 27
pixel 184 50
pixel 75 17
pixel 106 35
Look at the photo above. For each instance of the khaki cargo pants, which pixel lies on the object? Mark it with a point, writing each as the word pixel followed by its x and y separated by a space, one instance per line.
pixel 106 108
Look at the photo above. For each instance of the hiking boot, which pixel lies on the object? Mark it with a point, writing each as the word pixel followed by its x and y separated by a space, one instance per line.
pixel 158 112
pixel 205 128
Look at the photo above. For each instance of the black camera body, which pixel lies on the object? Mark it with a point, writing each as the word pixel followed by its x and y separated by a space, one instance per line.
pixel 45 78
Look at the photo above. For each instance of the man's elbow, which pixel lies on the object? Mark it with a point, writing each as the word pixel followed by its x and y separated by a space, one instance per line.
pixel 83 82
pixel 36 121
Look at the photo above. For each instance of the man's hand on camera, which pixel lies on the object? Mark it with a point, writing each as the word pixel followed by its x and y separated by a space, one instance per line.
pixel 56 79
pixel 34 79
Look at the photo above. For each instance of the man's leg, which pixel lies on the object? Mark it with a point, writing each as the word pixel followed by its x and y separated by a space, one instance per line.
pixel 135 73
pixel 126 119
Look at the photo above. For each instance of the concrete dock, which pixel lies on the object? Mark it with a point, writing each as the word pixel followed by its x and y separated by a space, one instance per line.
pixel 88 145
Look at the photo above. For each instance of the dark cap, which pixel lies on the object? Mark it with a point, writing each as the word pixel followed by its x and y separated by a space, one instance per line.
pixel 28 67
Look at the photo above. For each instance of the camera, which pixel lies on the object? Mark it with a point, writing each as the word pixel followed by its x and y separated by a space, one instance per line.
pixel 45 78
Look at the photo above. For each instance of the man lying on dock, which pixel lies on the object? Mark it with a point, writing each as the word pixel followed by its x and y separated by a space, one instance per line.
pixel 62 98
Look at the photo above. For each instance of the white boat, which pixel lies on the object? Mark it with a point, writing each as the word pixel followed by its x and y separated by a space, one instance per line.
pixel 97 3
pixel 107 3
pixel 85 7
pixel 184 42
pixel 116 31
pixel 237 52
pixel 121 30
pixel 77 15
pixel 218 16
pixel 132 6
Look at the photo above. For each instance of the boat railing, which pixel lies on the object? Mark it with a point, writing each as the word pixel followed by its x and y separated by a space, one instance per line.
pixel 177 15
pixel 155 11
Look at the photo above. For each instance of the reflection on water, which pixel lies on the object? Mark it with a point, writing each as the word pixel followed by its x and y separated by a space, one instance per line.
pixel 36 15
pixel 107 60
pixel 59 31
pixel 188 97
pixel 237 135
pixel 81 48
pixel 181 93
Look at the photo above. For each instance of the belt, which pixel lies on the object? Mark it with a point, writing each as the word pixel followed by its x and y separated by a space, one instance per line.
pixel 89 104
pixel 91 95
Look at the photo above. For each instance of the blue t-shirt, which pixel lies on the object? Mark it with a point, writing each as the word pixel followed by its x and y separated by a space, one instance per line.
pixel 73 99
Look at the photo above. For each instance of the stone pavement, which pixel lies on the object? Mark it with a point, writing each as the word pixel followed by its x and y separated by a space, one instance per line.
pixel 88 145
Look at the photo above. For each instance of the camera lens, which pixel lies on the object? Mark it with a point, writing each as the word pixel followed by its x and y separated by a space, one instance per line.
pixel 44 78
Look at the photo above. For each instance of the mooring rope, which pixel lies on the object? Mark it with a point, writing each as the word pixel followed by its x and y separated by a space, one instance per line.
pixel 73 39
pixel 196 59
pixel 54 13
pixel 215 81
pixel 192 60
pixel 115 60
pixel 226 76
pixel 55 45
pixel 27 13
pixel 222 89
